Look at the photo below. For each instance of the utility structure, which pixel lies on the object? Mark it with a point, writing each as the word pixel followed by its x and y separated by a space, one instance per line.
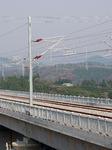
pixel 19 62
pixel 3 68
pixel 30 63
pixel 109 50
pixel 51 48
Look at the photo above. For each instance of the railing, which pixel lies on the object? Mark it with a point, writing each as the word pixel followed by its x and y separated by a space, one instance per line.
pixel 65 98
pixel 80 121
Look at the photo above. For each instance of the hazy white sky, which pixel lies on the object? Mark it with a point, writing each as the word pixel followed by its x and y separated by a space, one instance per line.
pixel 55 7
pixel 73 15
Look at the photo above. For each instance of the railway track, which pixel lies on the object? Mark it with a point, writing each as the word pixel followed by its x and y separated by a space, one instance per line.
pixel 64 106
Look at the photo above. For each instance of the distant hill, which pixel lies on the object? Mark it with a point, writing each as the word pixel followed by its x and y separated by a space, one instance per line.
pixel 95 69
pixel 100 60
pixel 9 68
pixel 4 59
pixel 75 72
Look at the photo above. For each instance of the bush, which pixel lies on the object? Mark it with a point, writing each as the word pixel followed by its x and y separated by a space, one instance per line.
pixel 110 95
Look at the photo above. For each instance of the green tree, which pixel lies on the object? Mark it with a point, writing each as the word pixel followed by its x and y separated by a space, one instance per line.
pixel 36 76
pixel 61 81
pixel 103 83
pixel 110 95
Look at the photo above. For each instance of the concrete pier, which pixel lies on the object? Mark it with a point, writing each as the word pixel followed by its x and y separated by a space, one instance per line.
pixel 8 139
pixel 26 144
pixel 7 136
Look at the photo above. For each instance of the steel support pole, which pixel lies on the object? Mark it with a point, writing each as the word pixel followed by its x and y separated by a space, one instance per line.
pixel 22 70
pixel 30 64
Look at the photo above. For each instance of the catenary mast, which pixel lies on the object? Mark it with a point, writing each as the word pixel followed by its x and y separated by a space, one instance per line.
pixel 30 63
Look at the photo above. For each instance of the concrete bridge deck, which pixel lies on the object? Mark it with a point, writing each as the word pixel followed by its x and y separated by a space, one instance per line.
pixel 59 129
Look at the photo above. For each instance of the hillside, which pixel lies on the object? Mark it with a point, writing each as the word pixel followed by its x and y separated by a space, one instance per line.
pixel 75 72
pixel 100 60
pixel 88 88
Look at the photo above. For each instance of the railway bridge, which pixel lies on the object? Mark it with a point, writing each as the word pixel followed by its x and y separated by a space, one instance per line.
pixel 59 121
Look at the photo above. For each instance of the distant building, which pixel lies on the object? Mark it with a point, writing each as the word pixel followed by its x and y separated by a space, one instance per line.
pixel 68 84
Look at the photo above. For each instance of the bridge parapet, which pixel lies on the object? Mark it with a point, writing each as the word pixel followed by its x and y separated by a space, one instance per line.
pixel 72 99
pixel 80 121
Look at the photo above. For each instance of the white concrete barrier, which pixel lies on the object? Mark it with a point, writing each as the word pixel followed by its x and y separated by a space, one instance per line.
pixel 65 98
pixel 86 122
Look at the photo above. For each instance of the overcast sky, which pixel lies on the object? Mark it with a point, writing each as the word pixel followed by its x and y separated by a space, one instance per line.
pixel 55 7
pixel 52 18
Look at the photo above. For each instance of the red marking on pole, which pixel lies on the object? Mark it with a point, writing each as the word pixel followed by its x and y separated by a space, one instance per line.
pixel 26 67
pixel 38 40
pixel 37 57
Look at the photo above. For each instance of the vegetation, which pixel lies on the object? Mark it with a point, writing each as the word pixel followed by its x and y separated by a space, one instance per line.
pixel 61 81
pixel 73 72
pixel 88 88
pixel 95 73
pixel 96 81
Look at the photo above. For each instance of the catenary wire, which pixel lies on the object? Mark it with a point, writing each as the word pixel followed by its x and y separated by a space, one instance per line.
pixel 13 30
